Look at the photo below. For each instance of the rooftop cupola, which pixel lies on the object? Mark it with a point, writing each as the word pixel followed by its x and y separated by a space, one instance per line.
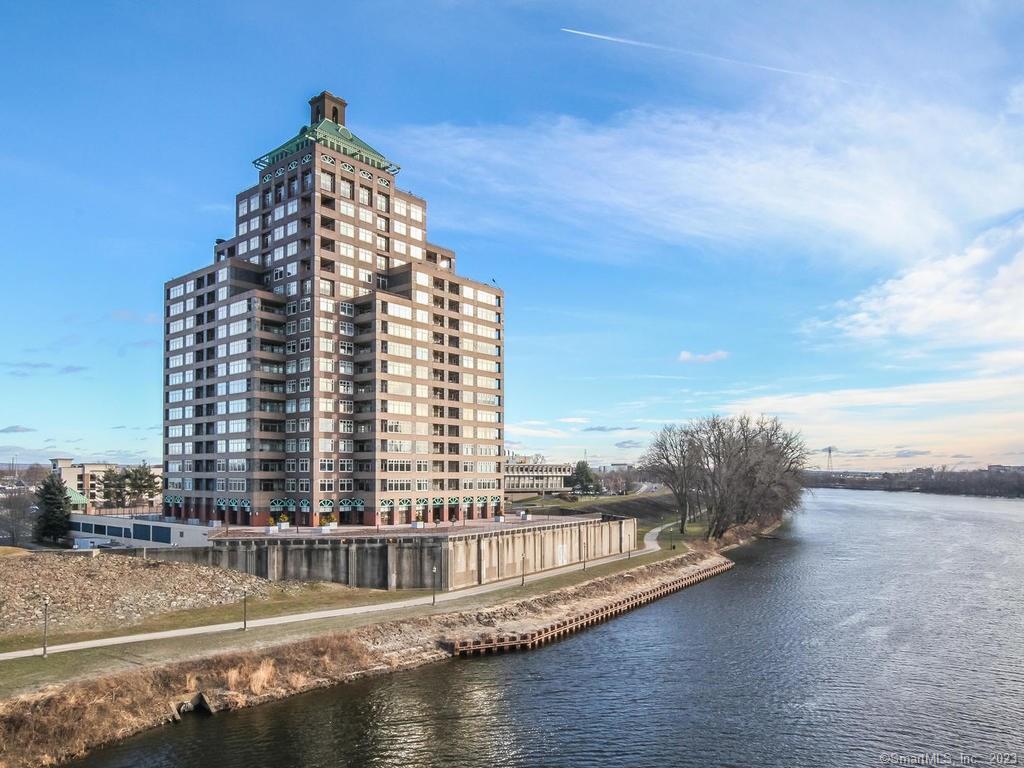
pixel 326 128
pixel 327 106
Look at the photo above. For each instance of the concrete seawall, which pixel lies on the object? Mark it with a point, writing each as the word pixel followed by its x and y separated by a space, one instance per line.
pixel 397 561
pixel 574 623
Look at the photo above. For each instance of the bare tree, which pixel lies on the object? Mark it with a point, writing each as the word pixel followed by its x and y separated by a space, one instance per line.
pixel 737 470
pixel 35 474
pixel 670 460
pixel 17 517
pixel 618 481
pixel 750 470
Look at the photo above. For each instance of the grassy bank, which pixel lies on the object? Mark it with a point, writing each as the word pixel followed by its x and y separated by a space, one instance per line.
pixel 642 506
pixel 318 596
pixel 29 674
pixel 64 721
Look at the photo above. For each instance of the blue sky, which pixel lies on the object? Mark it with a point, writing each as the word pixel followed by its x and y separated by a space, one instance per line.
pixel 805 209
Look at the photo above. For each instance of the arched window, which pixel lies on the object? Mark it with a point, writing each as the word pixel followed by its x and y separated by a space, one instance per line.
pixel 334 114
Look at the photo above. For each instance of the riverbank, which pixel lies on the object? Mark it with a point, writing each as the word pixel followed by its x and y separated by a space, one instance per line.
pixel 782 649
pixel 64 721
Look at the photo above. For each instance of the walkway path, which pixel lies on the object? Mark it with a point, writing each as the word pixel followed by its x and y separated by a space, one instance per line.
pixel 650 545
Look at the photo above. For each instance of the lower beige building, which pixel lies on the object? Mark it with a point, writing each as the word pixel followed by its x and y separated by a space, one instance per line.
pixel 536 478
pixel 87 479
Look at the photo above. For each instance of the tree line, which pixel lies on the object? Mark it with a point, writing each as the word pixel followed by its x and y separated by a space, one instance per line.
pixel 45 515
pixel 125 487
pixel 728 471
pixel 963 482
pixel 42 515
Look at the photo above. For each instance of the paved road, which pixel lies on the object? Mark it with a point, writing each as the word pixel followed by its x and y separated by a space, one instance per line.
pixel 650 545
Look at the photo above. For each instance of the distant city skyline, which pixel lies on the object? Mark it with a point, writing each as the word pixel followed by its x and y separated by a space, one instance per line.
pixel 814 213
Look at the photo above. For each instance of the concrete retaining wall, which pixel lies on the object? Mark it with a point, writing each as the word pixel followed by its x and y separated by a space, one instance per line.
pixel 408 562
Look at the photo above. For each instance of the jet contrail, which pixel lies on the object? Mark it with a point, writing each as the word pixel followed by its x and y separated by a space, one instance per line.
pixel 699 55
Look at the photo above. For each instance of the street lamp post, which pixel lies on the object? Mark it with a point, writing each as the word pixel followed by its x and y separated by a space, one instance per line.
pixel 524 569
pixel 433 594
pixel 46 621
pixel 245 610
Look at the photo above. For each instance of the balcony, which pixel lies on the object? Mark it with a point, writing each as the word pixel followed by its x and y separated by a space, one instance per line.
pixel 266 308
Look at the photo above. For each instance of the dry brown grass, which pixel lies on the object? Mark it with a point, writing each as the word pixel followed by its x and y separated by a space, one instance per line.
pixel 60 723
pixel 261 677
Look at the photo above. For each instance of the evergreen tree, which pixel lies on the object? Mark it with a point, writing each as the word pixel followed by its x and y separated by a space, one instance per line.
pixel 115 488
pixel 54 519
pixel 583 477
pixel 141 484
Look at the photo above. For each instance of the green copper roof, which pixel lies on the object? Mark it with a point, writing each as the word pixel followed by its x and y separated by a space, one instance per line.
pixel 334 136
pixel 76 497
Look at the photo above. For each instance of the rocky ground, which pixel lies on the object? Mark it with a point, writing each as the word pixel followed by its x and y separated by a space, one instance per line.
pixel 394 640
pixel 105 590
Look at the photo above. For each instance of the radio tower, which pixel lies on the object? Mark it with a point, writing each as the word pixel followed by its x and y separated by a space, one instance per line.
pixel 829 466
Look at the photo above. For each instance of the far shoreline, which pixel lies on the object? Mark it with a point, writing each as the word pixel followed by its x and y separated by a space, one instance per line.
pixel 914 492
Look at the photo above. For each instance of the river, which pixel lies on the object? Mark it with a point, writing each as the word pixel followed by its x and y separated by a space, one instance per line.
pixel 877 624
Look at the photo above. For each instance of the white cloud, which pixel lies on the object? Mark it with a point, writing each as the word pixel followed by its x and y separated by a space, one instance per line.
pixel 977 416
pixel 895 177
pixel 707 357
pixel 969 390
pixel 975 297
pixel 216 208
pixel 701 55
pixel 525 430
pixel 1015 100
pixel 999 361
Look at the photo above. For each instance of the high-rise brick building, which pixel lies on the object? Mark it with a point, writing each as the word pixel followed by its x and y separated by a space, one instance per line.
pixel 331 360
